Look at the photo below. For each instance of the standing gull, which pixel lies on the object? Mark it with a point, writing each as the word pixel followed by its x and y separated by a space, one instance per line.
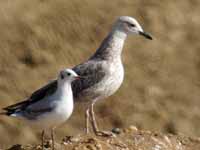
pixel 49 110
pixel 103 71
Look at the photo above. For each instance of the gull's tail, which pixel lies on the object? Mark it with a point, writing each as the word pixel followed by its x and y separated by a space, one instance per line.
pixel 14 110
pixel 6 113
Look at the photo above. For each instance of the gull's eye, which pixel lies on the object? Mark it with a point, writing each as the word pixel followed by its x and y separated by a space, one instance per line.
pixel 69 74
pixel 132 25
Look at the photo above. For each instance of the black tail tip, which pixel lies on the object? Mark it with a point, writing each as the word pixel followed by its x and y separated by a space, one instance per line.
pixel 6 113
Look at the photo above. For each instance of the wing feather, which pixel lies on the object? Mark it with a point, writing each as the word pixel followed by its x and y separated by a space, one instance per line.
pixel 35 97
pixel 92 72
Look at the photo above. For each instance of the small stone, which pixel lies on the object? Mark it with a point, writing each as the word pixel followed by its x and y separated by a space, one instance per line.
pixel 116 130
pixel 130 129
pixel 74 139
pixel 98 146
pixel 133 128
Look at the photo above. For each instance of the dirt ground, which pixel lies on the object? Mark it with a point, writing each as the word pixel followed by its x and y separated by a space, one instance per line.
pixel 124 139
pixel 162 78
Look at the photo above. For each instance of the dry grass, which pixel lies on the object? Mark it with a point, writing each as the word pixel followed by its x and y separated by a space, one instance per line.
pixel 162 82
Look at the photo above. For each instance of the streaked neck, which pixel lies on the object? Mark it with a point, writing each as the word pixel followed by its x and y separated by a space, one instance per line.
pixel 111 47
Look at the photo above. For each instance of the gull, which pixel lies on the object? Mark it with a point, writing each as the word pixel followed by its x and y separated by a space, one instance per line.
pixel 49 110
pixel 103 72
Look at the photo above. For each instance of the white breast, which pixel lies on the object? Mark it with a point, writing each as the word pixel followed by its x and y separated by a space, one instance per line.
pixel 112 81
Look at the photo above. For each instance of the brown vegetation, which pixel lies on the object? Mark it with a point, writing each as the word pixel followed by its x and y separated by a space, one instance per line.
pixel 162 80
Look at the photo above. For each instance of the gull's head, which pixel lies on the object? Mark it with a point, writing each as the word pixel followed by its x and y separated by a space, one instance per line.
pixel 130 25
pixel 68 75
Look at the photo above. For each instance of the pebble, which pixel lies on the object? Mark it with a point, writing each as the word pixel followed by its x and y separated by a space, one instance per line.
pixel 116 130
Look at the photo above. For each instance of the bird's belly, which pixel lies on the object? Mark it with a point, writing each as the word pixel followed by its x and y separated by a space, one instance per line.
pixel 109 86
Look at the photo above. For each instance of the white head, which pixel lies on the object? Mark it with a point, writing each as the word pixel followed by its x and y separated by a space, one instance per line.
pixel 67 75
pixel 129 25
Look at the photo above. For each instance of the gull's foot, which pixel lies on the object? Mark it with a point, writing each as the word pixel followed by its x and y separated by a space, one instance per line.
pixel 105 134
pixel 87 131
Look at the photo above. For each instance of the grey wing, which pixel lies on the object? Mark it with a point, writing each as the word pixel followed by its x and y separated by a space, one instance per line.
pixel 44 91
pixel 92 72
pixel 38 108
pixel 35 97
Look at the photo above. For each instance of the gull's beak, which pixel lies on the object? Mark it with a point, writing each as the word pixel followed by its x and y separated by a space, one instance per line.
pixel 79 77
pixel 146 35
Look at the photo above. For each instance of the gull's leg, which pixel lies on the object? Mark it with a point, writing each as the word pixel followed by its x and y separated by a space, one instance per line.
pixel 52 138
pixel 93 119
pixel 87 117
pixel 42 136
pixel 94 124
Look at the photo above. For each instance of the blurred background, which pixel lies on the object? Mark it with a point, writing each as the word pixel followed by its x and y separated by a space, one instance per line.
pixel 161 91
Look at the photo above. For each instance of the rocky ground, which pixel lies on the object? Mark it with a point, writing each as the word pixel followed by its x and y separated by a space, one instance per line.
pixel 124 139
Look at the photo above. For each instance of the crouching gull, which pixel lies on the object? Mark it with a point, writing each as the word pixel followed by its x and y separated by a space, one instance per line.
pixel 103 72
pixel 49 110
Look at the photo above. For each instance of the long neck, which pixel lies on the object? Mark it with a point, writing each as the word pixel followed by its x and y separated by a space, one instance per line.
pixel 111 47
